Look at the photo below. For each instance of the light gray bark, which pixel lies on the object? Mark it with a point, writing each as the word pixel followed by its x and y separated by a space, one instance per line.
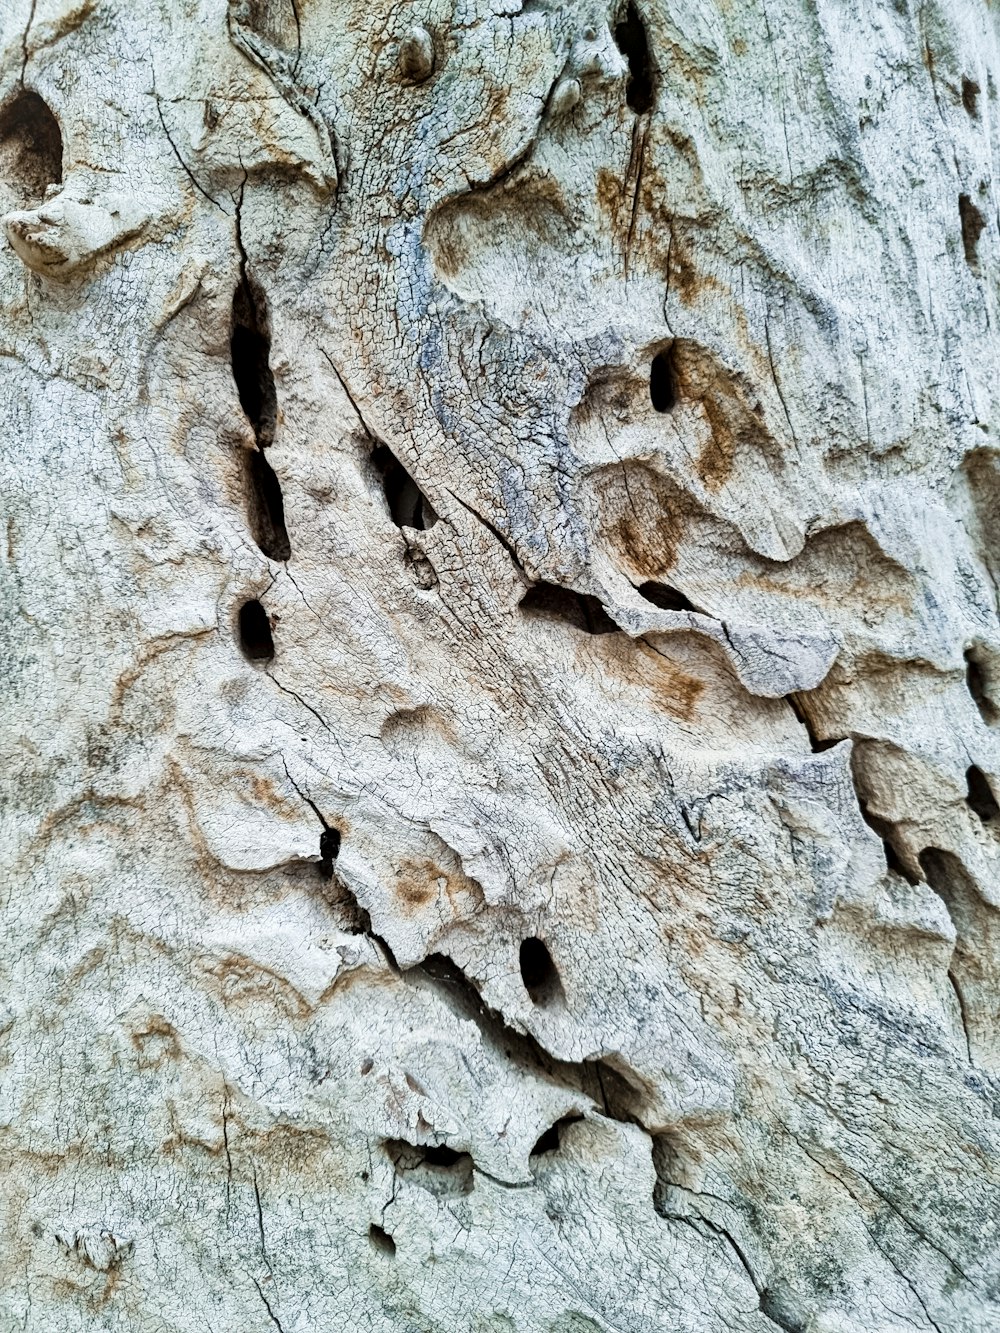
pixel 501 666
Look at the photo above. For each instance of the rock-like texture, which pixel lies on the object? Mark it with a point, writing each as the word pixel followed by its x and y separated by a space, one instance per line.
pixel 501 666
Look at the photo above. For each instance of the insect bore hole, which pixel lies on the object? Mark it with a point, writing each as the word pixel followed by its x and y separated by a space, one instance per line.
pixel 256 640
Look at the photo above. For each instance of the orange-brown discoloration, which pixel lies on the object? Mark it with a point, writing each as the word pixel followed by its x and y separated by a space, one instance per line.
pixel 638 663
pixel 155 1041
pixel 418 882
pixel 674 692
pixel 644 517
pixel 239 980
pixel 731 412
pixel 836 568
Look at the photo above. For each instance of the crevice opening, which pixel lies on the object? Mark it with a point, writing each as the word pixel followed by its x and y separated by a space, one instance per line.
pixel 978 686
pixel 31 148
pixel 663 381
pixel 538 971
pixel 973 224
pixel 381 1240
pixel 329 850
pixel 980 796
pixel 250 353
pixel 255 632
pixel 633 43
pixel 970 97
pixel 265 506
pixel 408 506
pixel 548 601
pixel 665 597
pixel 549 1141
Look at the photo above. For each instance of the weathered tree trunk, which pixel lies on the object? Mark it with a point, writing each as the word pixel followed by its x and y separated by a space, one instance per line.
pixel 501 666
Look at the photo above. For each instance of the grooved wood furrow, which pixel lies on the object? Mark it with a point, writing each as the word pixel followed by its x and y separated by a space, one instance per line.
pixel 501 805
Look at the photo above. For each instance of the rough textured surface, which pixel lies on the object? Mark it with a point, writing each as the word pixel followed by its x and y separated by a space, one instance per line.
pixel 501 666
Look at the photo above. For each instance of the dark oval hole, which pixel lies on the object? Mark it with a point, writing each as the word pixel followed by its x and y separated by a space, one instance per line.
pixel 250 355
pixel 266 506
pixel 442 1155
pixel 329 850
pixel 548 601
pixel 663 381
pixel 31 149
pixel 538 971
pixel 381 1240
pixel 980 795
pixel 632 42
pixel 255 632
pixel 434 1167
pixel 408 506
pixel 975 680
pixel 970 97
pixel 665 597
pixel 552 1137
pixel 973 224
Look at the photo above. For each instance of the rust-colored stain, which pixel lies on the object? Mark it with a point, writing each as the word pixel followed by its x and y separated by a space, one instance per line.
pixel 155 1042
pixel 645 517
pixel 837 567
pixel 684 279
pixel 673 691
pixel 735 421
pixel 637 663
pixel 417 882
pixel 610 193
pixel 650 547
pixel 238 980
pixel 715 461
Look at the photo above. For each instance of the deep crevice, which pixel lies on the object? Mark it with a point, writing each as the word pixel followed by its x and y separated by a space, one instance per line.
pixel 250 353
pixel 815 743
pixel 978 686
pixel 435 1167
pixel 265 506
pixel 256 640
pixel 946 875
pixel 31 147
pixel 893 861
pixel 381 1240
pixel 550 1140
pixel 329 849
pixel 598 1080
pixel 344 898
pixel 772 1306
pixel 663 381
pixel 408 506
pixel 633 42
pixel 980 798
pixel 666 598
pixel 250 358
pixel 973 225
pixel 539 972
pixel 548 601
pixel 883 827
